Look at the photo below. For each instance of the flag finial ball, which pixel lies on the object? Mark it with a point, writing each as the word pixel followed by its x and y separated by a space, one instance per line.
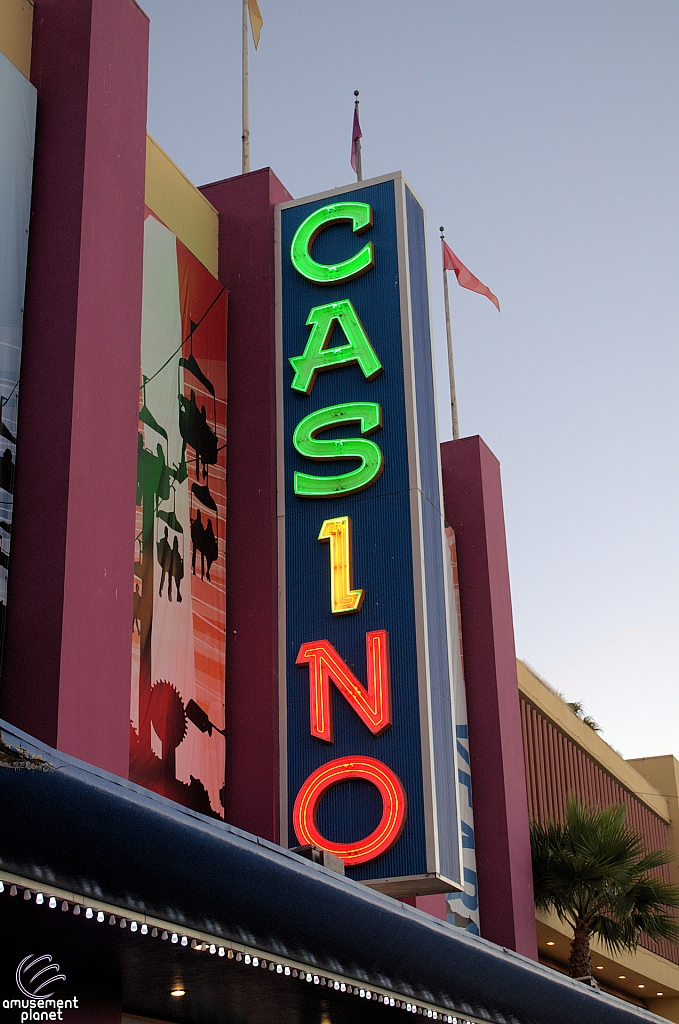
pixel 355 92
pixel 441 229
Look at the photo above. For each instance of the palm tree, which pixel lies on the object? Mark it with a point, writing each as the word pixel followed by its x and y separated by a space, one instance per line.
pixel 593 871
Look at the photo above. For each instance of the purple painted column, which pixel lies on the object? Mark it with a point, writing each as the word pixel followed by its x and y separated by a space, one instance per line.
pixel 246 266
pixel 66 671
pixel 473 506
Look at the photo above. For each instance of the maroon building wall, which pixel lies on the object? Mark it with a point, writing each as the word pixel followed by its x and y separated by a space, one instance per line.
pixel 66 671
pixel 246 266
pixel 473 506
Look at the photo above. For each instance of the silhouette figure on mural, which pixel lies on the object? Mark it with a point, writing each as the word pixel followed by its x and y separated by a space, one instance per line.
pixel 164 555
pixel 195 431
pixel 7 471
pixel 176 570
pixel 197 538
pixel 210 547
pixel 136 610
pixel 204 541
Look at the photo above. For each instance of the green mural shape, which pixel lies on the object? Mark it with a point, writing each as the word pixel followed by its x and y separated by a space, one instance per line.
pixel 360 216
pixel 317 356
pixel 369 415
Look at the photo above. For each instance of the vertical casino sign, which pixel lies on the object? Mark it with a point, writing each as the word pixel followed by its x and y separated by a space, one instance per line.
pixel 368 760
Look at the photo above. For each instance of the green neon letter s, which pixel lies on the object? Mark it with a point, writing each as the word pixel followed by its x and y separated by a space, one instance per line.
pixel 360 216
pixel 369 415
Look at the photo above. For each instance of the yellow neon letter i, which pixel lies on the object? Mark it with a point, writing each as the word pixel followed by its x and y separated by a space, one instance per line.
pixel 342 597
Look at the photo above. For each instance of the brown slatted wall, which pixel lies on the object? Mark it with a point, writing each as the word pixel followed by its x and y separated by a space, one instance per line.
pixel 557 767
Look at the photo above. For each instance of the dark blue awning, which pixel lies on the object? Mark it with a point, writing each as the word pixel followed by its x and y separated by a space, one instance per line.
pixel 99 840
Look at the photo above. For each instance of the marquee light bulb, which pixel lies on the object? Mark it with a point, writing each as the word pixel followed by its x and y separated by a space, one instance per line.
pixel 39 898
pixel 100 916
pixel 89 913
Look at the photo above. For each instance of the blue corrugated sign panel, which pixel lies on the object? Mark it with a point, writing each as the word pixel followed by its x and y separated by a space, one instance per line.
pixel 378 785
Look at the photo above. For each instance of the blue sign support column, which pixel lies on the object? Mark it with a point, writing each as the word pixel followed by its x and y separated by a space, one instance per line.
pixel 367 731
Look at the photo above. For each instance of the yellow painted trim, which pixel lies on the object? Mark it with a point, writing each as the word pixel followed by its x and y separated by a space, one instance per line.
pixel 549 704
pixel 663 773
pixel 181 207
pixel 16 33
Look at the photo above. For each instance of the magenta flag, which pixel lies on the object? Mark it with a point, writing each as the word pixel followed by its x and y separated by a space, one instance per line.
pixel 356 134
pixel 465 278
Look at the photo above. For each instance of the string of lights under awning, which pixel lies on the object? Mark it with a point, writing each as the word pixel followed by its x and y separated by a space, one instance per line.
pixel 202 942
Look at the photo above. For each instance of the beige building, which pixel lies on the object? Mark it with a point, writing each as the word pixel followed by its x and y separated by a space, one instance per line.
pixel 564 755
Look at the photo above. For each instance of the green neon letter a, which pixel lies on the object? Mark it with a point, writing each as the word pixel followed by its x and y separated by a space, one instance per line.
pixel 317 357
pixel 369 415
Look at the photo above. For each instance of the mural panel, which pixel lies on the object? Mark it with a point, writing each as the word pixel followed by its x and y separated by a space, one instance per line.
pixel 179 617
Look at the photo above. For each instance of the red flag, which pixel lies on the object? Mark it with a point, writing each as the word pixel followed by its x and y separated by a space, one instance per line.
pixel 356 134
pixel 465 278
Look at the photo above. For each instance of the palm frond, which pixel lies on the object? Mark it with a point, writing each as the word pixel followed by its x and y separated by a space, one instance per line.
pixel 593 870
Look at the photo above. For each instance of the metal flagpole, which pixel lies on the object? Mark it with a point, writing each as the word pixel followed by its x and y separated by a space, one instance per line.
pixel 359 168
pixel 451 367
pixel 246 92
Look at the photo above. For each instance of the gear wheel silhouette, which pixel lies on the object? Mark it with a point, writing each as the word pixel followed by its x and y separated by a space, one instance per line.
pixel 166 710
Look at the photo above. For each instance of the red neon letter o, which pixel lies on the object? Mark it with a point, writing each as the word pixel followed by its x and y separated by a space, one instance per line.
pixel 394 804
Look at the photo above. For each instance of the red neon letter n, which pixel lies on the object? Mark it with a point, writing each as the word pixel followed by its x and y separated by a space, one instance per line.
pixel 373 706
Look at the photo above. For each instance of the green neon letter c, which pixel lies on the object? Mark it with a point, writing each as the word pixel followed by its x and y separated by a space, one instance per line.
pixel 360 216
pixel 369 415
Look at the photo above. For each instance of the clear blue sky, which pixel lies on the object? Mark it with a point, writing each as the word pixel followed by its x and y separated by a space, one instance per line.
pixel 545 137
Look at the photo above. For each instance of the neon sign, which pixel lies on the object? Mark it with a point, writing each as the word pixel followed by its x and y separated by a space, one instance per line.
pixel 343 598
pixel 367 742
pixel 360 216
pixel 369 415
pixel 394 803
pixel 372 705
